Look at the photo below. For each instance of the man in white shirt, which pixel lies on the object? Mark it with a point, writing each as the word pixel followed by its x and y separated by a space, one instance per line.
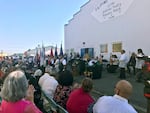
pixel 64 63
pixel 122 64
pixel 48 83
pixel 92 61
pixel 117 103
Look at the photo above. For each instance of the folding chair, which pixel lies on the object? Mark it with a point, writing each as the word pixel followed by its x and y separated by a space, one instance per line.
pixel 54 107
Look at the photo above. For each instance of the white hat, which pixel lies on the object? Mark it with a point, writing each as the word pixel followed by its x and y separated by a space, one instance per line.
pixel 38 72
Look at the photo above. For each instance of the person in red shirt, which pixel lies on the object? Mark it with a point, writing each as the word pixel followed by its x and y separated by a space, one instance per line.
pixel 80 99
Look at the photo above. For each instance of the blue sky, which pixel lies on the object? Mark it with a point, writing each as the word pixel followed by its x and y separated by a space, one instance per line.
pixel 26 23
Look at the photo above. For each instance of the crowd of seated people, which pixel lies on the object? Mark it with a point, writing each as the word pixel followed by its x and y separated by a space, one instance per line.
pixel 43 79
pixel 57 84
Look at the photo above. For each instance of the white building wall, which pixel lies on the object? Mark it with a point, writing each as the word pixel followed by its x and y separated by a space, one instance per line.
pixel 132 29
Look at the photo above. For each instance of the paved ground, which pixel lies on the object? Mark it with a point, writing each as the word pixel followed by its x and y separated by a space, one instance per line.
pixel 105 86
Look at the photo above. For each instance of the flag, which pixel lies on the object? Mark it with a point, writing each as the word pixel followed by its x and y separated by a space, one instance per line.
pixel 56 54
pixel 42 55
pixel 51 52
pixel 36 55
pixel 61 51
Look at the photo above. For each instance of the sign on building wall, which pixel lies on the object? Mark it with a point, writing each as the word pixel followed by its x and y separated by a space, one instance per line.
pixel 109 9
pixel 117 47
pixel 103 48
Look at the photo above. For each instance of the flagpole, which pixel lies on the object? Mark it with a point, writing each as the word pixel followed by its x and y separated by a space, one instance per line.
pixel 42 55
pixel 61 50
pixel 56 54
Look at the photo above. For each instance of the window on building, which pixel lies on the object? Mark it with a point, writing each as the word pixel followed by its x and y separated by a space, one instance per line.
pixel 88 51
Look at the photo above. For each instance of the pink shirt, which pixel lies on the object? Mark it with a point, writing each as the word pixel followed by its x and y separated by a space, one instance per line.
pixel 21 106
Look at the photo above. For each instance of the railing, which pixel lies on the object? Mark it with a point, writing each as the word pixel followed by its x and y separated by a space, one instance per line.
pixel 53 106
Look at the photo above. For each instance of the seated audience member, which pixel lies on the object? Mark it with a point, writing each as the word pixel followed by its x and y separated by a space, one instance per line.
pixel 114 62
pixel 48 83
pixel 92 62
pixel 80 99
pixel 1 77
pixel 17 96
pixel 33 78
pixel 117 103
pixel 1 74
pixel 65 80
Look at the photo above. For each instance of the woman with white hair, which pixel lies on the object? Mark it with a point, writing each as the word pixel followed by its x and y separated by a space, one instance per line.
pixel 17 95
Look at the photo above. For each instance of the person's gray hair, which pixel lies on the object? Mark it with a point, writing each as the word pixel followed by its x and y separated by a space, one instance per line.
pixel 51 70
pixel 48 69
pixel 15 86
pixel 38 72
